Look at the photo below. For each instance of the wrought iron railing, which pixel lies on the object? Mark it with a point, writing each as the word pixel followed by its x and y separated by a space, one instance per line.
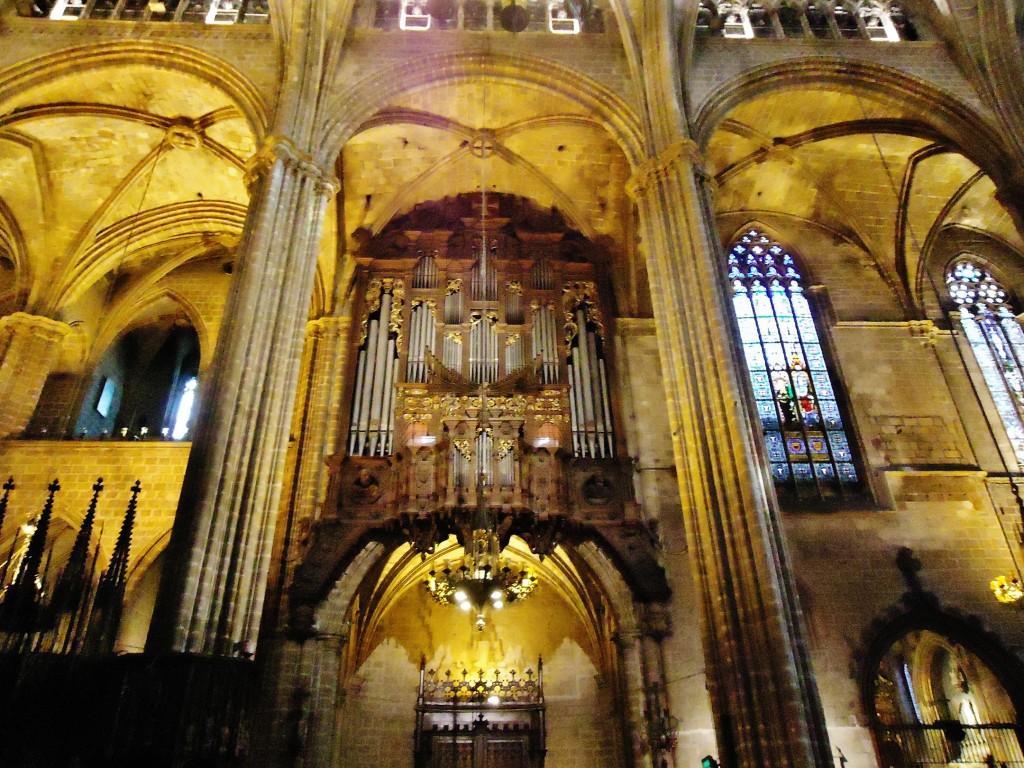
pixel 950 743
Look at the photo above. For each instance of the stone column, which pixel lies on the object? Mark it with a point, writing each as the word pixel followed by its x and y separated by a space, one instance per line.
pixel 29 348
pixel 631 657
pixel 765 702
pixel 211 594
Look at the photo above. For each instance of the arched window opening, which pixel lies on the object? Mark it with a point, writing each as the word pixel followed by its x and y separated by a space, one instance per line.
pixel 707 19
pixel 183 413
pixel 996 339
pixel 139 384
pixel 936 702
pixel 807 445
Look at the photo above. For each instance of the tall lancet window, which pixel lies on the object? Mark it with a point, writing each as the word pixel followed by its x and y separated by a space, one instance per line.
pixel 589 400
pixel 373 418
pixel 997 340
pixel 803 429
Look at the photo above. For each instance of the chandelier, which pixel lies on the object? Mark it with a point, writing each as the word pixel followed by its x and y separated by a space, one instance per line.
pixel 481 579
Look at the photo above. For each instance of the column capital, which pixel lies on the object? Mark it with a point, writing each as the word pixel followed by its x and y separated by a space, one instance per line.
pixel 680 155
pixel 280 147
pixel 324 327
pixel 37 325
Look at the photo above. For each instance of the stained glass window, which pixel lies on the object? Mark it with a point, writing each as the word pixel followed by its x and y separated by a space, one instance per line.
pixel 803 428
pixel 997 340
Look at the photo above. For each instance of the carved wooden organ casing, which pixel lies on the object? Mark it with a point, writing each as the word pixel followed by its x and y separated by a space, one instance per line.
pixel 474 373
pixel 471 367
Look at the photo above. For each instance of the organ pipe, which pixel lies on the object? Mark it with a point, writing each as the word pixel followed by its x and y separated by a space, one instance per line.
pixel 372 420
pixel 590 401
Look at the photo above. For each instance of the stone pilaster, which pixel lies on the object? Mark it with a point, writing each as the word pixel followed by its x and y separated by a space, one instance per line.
pixel 315 425
pixel 29 348
pixel 327 342
pixel 765 702
pixel 211 594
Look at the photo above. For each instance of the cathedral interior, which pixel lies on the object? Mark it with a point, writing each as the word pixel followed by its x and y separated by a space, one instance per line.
pixel 472 384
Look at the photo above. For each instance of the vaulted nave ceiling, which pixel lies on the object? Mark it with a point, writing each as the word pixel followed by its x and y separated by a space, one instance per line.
pixel 869 169
pixel 427 146
pixel 111 170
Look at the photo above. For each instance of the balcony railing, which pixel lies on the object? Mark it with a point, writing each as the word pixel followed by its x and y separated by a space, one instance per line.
pixel 950 743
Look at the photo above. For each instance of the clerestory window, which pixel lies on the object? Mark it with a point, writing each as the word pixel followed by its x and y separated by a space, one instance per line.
pixel 996 339
pixel 806 441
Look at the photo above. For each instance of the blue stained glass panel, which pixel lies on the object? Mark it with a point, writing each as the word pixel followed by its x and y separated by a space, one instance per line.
pixel 762 385
pixel 840 445
pixel 825 471
pixel 807 330
pixel 847 473
pixel 780 473
pixel 802 473
pixel 781 303
pixel 776 357
pixel 815 359
pixel 769 330
pixel 776 448
pixel 755 359
pixel 822 385
pixel 788 330
pixel 769 416
pixel 830 412
pixel 762 304
pixel 812 419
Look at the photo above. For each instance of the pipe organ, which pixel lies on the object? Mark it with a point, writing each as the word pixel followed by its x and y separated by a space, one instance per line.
pixel 443 320
pixel 474 378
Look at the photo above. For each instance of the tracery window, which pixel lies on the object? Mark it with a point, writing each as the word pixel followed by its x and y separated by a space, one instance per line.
pixel 876 20
pixel 997 340
pixel 796 401
pixel 556 17
pixel 189 11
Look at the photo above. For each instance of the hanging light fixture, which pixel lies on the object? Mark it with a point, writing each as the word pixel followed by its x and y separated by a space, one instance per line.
pixel 482 579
